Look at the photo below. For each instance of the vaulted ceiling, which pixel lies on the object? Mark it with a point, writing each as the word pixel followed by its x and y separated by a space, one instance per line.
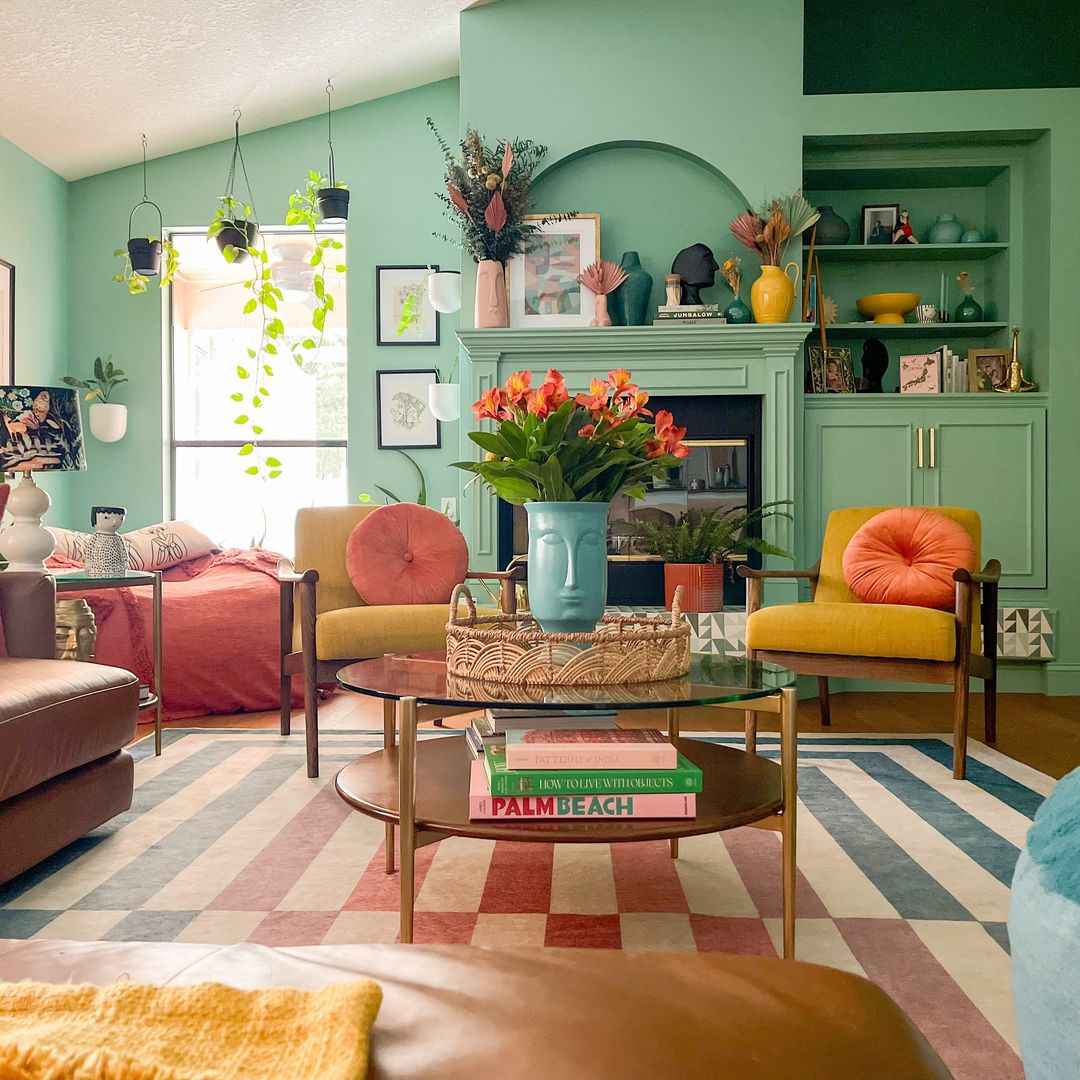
pixel 79 82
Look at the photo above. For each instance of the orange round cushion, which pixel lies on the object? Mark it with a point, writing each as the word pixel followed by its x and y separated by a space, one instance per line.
pixel 406 554
pixel 907 555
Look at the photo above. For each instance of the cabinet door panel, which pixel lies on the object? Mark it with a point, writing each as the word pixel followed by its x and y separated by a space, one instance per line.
pixel 996 464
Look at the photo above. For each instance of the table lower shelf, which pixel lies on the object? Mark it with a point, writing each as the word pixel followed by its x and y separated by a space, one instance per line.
pixel 739 789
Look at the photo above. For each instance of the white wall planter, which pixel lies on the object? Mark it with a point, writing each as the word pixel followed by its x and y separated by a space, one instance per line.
pixel 108 421
pixel 444 290
pixel 444 400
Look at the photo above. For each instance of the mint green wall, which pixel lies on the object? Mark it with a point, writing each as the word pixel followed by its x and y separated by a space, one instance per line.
pixel 33 209
pixel 391 163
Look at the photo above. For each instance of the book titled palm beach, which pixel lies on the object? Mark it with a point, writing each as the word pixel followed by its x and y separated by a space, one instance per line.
pixel 685 778
pixel 585 748
pixel 485 806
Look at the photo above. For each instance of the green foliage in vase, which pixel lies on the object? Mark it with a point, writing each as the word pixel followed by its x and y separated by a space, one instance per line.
pixel 103 382
pixel 139 283
pixel 712 536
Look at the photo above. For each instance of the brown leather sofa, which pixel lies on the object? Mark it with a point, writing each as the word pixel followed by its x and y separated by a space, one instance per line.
pixel 457 1012
pixel 63 726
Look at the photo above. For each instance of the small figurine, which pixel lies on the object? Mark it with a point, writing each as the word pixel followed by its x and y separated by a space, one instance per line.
pixel 697 267
pixel 106 552
pixel 1017 383
pixel 903 233
pixel 673 288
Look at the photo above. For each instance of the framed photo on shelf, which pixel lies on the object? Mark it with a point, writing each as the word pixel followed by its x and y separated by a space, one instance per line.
pixel 403 312
pixel 405 422
pixel 988 369
pixel 7 323
pixel 543 288
pixel 831 371
pixel 879 220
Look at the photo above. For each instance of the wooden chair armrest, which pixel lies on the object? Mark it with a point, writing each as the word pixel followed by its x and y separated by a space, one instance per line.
pixel 989 575
pixel 287 575
pixel 809 575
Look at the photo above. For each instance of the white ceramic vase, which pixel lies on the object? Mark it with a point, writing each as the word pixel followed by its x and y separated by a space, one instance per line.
pixel 26 544
pixel 444 400
pixel 108 421
pixel 444 290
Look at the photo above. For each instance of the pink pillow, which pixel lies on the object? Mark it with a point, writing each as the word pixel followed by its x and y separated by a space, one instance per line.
pixel 907 555
pixel 406 554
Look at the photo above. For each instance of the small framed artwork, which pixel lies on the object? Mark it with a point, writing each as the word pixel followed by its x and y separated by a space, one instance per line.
pixel 988 369
pixel 403 312
pixel 7 323
pixel 831 371
pixel 404 419
pixel 543 286
pixel 879 221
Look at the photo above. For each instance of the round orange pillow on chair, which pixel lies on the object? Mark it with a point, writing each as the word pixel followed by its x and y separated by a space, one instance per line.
pixel 406 554
pixel 907 555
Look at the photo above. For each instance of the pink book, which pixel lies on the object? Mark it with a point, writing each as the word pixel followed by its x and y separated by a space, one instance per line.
pixel 589 748
pixel 483 806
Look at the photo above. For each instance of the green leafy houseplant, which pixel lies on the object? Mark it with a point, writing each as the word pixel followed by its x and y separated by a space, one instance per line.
pixel 105 380
pixel 421 494
pixel 714 536
pixel 138 283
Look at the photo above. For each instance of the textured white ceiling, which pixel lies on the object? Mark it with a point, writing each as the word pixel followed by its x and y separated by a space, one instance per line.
pixel 80 81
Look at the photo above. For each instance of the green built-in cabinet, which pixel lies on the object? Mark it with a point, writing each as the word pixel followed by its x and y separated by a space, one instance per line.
pixel 963 450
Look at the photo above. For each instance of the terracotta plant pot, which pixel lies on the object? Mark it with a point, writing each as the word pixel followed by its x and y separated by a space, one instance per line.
pixel 703 585
pixel 491 307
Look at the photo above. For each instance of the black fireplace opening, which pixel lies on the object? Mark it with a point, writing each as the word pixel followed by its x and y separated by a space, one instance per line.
pixel 723 470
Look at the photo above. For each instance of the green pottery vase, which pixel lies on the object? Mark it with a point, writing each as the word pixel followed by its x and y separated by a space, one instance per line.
pixel 635 291
pixel 567 564
pixel 968 311
pixel 737 312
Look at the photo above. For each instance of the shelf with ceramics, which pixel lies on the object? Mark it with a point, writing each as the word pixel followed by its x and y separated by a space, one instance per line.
pixel 958 253
pixel 917 329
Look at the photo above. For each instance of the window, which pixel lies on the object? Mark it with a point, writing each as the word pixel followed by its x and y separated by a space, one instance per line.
pixel 305 416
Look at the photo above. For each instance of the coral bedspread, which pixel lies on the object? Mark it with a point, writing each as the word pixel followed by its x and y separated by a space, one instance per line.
pixel 221 633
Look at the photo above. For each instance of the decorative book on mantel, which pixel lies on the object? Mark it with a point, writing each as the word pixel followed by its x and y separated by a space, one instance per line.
pixel 585 748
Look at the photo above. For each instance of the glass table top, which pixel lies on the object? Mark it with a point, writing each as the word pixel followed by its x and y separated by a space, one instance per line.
pixel 84 580
pixel 713 679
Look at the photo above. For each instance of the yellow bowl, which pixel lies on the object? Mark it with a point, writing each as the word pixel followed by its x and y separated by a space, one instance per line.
pixel 887 307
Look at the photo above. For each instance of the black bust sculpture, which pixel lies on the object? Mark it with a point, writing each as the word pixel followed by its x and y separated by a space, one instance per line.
pixel 875 362
pixel 697 267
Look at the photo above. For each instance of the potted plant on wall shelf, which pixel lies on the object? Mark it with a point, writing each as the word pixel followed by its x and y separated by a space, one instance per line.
pixel 108 419
pixel 234 225
pixel 699 548
pixel 142 254
pixel 487 195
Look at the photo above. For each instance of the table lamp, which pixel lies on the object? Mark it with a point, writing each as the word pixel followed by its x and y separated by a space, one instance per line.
pixel 40 431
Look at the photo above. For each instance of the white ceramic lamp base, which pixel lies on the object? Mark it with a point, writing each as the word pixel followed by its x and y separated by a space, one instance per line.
pixel 26 545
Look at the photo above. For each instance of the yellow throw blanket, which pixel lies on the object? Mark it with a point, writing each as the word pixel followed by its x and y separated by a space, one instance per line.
pixel 130 1031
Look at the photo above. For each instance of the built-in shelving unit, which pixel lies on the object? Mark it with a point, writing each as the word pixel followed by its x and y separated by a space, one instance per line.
pixel 946 330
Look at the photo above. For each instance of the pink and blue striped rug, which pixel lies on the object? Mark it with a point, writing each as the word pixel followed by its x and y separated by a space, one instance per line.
pixel 905 873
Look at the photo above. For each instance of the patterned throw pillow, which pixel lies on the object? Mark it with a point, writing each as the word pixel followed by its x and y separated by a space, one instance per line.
pixel 156 547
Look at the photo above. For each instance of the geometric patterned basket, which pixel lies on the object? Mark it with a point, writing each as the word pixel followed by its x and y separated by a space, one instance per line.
pixel 633 648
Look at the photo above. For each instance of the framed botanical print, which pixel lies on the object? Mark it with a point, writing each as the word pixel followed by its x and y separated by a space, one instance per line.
pixel 7 323
pixel 831 371
pixel 403 312
pixel 543 287
pixel 405 420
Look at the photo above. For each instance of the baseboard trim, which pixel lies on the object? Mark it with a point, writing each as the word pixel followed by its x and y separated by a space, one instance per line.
pixel 1061 679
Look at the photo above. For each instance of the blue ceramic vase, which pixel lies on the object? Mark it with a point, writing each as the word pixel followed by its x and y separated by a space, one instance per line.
pixel 635 291
pixel 567 564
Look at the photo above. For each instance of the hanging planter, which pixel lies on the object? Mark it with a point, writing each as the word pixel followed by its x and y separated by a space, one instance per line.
pixel 334 199
pixel 235 226
pixel 444 290
pixel 142 254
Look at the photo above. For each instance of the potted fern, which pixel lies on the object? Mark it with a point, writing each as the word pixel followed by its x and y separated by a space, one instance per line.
pixel 699 548
pixel 108 419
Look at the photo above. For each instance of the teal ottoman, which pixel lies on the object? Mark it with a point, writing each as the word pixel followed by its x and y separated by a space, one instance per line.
pixel 1044 937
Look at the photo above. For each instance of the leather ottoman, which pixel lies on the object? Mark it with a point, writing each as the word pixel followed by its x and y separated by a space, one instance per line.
pixel 457 1011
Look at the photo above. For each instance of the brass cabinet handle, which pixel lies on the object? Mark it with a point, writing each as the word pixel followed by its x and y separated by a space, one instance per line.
pixel 933 447
pixel 918 437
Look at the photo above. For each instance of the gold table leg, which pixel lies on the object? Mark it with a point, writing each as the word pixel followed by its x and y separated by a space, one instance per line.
pixel 673 733
pixel 407 814
pixel 389 739
pixel 789 773
pixel 158 626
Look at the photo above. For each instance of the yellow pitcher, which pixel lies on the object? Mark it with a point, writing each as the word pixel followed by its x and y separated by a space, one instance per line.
pixel 772 295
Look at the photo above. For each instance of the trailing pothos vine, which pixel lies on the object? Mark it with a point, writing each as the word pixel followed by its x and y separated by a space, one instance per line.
pixel 264 298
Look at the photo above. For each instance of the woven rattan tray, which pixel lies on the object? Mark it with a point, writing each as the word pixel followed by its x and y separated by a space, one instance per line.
pixel 513 649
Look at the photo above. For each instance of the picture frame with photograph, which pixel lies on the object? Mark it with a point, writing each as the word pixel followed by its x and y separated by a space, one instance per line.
pixel 7 323
pixel 830 370
pixel 396 287
pixel 403 417
pixel 878 222
pixel 542 286
pixel 988 370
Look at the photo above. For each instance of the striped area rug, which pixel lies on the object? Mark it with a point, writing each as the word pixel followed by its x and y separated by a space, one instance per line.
pixel 904 873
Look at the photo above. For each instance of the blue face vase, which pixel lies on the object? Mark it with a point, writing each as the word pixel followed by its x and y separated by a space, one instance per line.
pixel 567 564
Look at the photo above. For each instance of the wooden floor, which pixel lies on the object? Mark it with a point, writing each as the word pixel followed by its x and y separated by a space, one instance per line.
pixel 1043 732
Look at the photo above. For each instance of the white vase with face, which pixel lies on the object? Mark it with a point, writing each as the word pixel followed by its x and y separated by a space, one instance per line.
pixel 444 400
pixel 444 290
pixel 108 421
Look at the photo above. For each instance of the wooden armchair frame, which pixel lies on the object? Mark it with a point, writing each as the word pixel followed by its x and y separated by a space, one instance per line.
pixel 293 585
pixel 956 672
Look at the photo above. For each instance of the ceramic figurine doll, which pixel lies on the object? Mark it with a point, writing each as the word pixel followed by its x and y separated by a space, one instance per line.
pixel 903 233
pixel 106 553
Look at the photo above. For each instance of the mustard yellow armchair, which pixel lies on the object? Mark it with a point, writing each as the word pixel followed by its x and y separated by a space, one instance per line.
pixel 325 623
pixel 836 634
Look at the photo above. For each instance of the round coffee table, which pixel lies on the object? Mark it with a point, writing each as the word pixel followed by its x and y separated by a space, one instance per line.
pixel 423 787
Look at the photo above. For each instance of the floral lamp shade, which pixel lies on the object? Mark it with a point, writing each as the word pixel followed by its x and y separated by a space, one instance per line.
pixel 41 429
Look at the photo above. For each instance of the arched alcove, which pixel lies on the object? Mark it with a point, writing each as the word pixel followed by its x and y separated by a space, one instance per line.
pixel 652 198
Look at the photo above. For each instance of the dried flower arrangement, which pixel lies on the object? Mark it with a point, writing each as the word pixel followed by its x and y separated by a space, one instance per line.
pixel 487 194
pixel 732 271
pixel 769 230
pixel 602 277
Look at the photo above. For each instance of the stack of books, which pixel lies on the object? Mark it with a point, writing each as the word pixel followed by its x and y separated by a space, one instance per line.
pixel 563 765
pixel 937 372
pixel 689 313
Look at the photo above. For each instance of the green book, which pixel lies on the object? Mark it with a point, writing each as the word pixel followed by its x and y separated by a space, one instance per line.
pixel 684 778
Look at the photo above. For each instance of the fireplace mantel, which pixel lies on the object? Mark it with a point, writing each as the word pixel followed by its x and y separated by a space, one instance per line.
pixel 679 360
